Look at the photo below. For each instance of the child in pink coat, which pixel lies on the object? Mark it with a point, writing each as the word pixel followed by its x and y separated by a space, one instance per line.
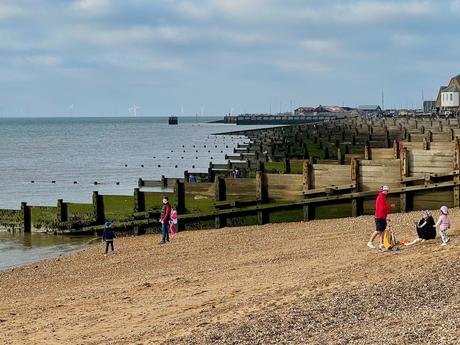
pixel 172 223
pixel 444 224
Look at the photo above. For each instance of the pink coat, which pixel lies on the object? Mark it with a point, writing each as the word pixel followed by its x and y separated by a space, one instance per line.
pixel 172 223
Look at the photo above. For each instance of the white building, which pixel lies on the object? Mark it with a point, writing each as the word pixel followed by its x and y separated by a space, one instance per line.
pixel 450 97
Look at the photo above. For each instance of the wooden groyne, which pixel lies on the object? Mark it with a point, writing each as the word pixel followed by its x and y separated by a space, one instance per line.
pixel 290 173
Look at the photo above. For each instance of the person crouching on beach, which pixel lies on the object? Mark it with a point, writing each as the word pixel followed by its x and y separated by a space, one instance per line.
pixel 107 236
pixel 381 213
pixel 444 224
pixel 164 220
pixel 425 226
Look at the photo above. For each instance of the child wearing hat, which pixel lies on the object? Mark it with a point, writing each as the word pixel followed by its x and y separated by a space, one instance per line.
pixel 107 236
pixel 444 224
pixel 425 226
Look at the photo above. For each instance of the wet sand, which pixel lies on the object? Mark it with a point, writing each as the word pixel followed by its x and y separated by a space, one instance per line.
pixel 295 283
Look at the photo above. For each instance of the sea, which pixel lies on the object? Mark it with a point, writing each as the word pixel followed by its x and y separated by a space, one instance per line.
pixel 43 159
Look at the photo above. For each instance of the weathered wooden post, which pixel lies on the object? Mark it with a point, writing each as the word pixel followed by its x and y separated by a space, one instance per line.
pixel 309 210
pixel 306 154
pixel 261 187
pixel 395 149
pixel 367 151
pixel 62 215
pixel 98 207
pixel 357 204
pixel 26 216
pixel 340 156
pixel 139 200
pixel 220 220
pixel 140 183
pixel 186 176
pixel 426 144
pixel 287 165
pixel 386 134
pixel 430 136
pixel 404 172
pixel 179 189
pixel 211 174
pixel 326 152
pixel 307 176
pixel 451 133
pixel 404 133
pixel 164 181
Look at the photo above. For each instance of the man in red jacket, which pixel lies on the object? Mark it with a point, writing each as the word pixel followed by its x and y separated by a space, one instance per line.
pixel 164 220
pixel 381 212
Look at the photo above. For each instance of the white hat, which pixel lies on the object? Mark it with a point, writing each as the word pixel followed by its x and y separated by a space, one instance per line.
pixel 444 209
pixel 385 187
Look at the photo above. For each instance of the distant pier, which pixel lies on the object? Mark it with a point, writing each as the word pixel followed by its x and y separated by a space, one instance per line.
pixel 282 119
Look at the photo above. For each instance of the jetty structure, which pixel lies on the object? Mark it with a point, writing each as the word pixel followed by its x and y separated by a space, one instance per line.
pixel 300 115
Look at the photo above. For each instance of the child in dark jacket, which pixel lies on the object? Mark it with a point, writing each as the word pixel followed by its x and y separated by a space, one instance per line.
pixel 108 237
pixel 425 226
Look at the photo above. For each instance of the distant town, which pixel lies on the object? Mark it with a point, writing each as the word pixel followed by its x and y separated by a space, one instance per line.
pixel 447 104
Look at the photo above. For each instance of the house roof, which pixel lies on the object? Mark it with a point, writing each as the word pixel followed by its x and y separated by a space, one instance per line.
pixel 368 107
pixel 451 88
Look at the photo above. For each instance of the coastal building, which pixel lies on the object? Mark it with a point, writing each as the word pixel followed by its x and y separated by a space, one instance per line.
pixel 304 111
pixel 371 110
pixel 429 106
pixel 449 96
pixel 329 109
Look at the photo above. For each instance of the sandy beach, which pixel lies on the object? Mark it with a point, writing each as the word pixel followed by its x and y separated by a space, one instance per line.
pixel 295 283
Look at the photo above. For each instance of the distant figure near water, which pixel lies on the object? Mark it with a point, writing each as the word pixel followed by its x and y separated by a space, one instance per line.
pixel 236 173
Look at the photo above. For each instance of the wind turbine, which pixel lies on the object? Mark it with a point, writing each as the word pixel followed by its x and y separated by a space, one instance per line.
pixel 133 110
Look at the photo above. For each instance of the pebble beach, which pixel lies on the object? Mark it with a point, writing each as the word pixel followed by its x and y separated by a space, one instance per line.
pixel 292 283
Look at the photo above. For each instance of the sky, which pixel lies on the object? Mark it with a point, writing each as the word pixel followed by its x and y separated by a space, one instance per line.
pixel 213 57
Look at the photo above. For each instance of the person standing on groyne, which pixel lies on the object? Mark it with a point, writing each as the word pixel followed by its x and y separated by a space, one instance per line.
pixel 164 220
pixel 381 213
pixel 108 236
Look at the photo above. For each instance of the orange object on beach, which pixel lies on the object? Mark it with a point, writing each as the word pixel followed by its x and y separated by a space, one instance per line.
pixel 404 242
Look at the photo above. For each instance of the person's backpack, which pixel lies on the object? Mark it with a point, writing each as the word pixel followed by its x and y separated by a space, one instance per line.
pixel 389 238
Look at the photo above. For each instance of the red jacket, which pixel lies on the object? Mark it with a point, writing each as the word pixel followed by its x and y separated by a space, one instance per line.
pixel 381 206
pixel 165 212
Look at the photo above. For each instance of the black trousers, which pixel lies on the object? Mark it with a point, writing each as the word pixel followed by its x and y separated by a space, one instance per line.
pixel 107 243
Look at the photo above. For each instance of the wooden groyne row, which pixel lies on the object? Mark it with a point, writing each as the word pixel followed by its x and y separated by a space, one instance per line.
pixel 293 173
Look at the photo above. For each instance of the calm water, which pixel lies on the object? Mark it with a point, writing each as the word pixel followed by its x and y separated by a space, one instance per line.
pixel 106 150
pixel 85 150
pixel 20 249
